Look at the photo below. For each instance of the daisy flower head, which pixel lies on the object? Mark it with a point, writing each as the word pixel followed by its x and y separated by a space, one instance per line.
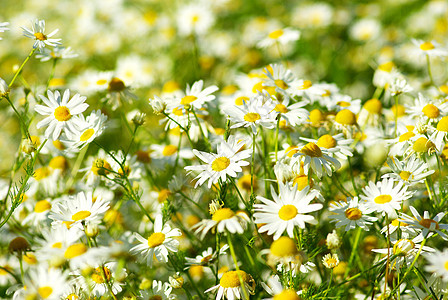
pixel 440 134
pixel 160 290
pixel 385 196
pixel 60 112
pixel 159 243
pixel 45 283
pixel 226 162
pixel 337 145
pixel 346 121
pixel 351 214
pixel 294 113
pixel 275 288
pixel 196 96
pixel 284 251
pixel 288 209
pixel 424 223
pixel 410 172
pixel 427 109
pixel 206 256
pixel 258 111
pixel 317 159
pixel 194 19
pixel 230 285
pixel 41 39
pixel 282 79
pixel 58 52
pixel 330 261
pixel 429 48
pixel 399 86
pixel 280 36
pixel 87 129
pixel 438 263
pixel 79 209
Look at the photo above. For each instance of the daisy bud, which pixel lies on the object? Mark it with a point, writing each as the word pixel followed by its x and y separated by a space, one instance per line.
pixel 92 229
pixel 176 281
pixel 29 146
pixel 139 119
pixel 333 241
pixel 158 105
pixel 19 245
pixel 4 88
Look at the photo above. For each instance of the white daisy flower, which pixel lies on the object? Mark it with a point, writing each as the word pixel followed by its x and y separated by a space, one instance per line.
pixel 87 129
pixel 410 172
pixel 399 86
pixel 195 96
pixel 385 196
pixel 277 291
pixel 194 18
pixel 59 112
pixel 431 48
pixel 159 243
pixel 294 114
pixel 337 145
pixel 280 36
pixel 424 223
pixel 96 283
pixel 41 39
pixel 351 214
pixel 230 286
pixel 226 162
pixel 206 256
pixel 330 261
pixel 438 263
pixel 58 52
pixel 317 159
pixel 427 109
pixel 439 136
pixel 47 283
pixel 282 79
pixel 38 217
pixel 79 209
pixel 288 209
pixel 160 290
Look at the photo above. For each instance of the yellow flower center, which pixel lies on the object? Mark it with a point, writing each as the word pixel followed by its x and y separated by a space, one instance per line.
pixel 332 262
pixel 306 85
pixel 163 195
pixel 431 111
pixel 220 164
pixel 326 141
pixel 398 110
pixel 386 67
pixel 156 239
pixel 101 81
pixel 206 259
pixel 301 181
pixel 251 117
pixel 281 84
pixel 169 150
pixel 345 117
pixel 58 162
pixel 403 246
pixel 382 199
pixel 97 275
pixel 287 212
pixel 373 106
pixel 99 167
pixel 231 279
pixel 316 116
pixel 281 108
pixel 240 100
pixel 57 245
pixel 178 111
pixel 58 145
pixel 40 36
pixel 287 295
pixel 353 214
pixel 62 113
pixel 276 34
pixel 311 149
pixel 75 250
pixel 86 135
pixel 405 175
pixel 42 206
pixel 30 259
pixel 259 87
pixel 170 87
pixel 443 124
pixel 81 215
pixel 406 136
pixel 291 150
pixel 427 223
pixel 222 214
pixel 397 223
pixel 188 99
pixel 125 172
pixel 343 103
pixel 116 85
pixel 426 46
pixel 155 297
pixel 422 145
pixel 41 173
pixel 284 247
pixel 45 291
pixel 72 297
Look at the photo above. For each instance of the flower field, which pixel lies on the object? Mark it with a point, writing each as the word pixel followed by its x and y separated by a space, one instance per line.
pixel 227 149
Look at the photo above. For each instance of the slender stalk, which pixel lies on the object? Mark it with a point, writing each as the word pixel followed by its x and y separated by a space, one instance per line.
pixel 276 138
pixel 21 67
pixel 207 142
pixel 396 115
pixel 354 250
pixel 252 166
pixel 53 68
pixel 232 252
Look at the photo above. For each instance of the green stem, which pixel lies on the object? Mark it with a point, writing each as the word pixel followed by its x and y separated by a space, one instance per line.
pixel 232 252
pixel 21 67
pixel 354 250
pixel 55 61
pixel 276 138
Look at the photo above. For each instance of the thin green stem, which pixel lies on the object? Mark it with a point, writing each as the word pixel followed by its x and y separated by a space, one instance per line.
pixel 53 68
pixel 354 250
pixel 21 67
pixel 232 252
pixel 276 137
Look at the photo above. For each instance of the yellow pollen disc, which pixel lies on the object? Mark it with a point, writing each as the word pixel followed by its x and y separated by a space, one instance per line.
pixel 81 215
pixel 276 34
pixel 287 295
pixel 402 247
pixel 291 150
pixel 353 214
pixel 169 150
pixel 72 297
pixel 443 124
pixel 396 223
pixel 40 36
pixel 287 212
pixel 284 246
pixel 343 103
pixel 422 145
pixel 187 100
pixel 41 173
pixel 331 262
pixel 382 199
pixel 58 145
pixel 444 88
pixel 35 140
pixel 58 162
pixel 373 106
pixel 431 111
pixel 57 245
pixel 326 93
pixel 306 85
pixel 405 175
pixel 301 181
pixel 178 111
pixel 41 206
pixel 398 110
pixel 156 239
pixel 45 291
pixel 125 172
pixel 99 165
pixel 326 141
pixel 86 135
pixel 101 82
pixel 281 108
pixel 116 85
pixel 240 100
pixel 220 164
pixel 75 250
pixel 30 259
pixel 97 275
pixel 143 156
pixel 259 87
pixel 386 67
pixel 163 195
pixel 155 297
pixel 170 87
pixel 206 259
pixel 427 223
pixel 406 136
pixel 281 84
pixel 316 116
pixel 194 19
pixel 222 214
pixel 245 182
pixel 196 271
pixel 345 117
pixel 426 46
pixel 311 149
pixel 251 117
pixel 62 114
pixel 231 279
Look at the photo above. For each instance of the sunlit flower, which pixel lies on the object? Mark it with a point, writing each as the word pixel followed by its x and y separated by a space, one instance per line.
pixel 437 263
pixel 317 159
pixel 41 39
pixel 424 223
pixel 280 36
pixel 430 48
pixel 230 286
pixel 351 214
pixel 411 171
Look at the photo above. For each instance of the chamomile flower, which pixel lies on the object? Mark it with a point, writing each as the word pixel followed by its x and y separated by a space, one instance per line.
pixel 79 209
pixel 424 223
pixel 38 217
pixel 87 129
pixel 96 283
pixel 330 261
pixel 317 159
pixel 41 39
pixel 439 136
pixel 430 48
pixel 351 214
pixel 60 112
pixel 281 36
pixel 158 244
pixel 281 78
pixel 226 162
pixel 160 290
pixel 437 263
pixel 58 52
pixel 45 283
pixel 207 256
pixel 288 209
pixel 429 110
pixel 337 145
pixel 385 196
pixel 230 286
pixel 294 114
pixel 196 96
pixel 411 172
pixel 195 18
pixel 276 290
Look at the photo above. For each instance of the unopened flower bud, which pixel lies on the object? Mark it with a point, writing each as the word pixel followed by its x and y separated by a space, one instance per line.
pixel 158 105
pixel 333 241
pixel 176 281
pixel 4 88
pixel 92 229
pixel 139 119
pixel 19 245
